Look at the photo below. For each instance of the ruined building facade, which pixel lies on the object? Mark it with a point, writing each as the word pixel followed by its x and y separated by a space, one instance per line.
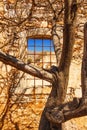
pixel 20 20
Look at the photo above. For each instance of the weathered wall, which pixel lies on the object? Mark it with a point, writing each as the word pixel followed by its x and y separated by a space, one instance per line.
pixel 20 20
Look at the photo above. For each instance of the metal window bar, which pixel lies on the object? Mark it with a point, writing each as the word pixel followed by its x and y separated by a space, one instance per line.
pixel 40 49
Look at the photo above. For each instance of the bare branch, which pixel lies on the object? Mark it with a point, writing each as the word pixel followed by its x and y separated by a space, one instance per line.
pixel 55 35
pixel 84 66
pixel 30 69
pixel 69 35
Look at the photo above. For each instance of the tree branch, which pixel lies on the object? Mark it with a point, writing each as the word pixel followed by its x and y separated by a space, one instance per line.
pixel 84 66
pixel 68 42
pixel 67 111
pixel 55 35
pixel 77 107
pixel 30 69
pixel 68 35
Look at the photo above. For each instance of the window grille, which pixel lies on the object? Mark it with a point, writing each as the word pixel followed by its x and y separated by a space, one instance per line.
pixel 40 53
pixel 39 50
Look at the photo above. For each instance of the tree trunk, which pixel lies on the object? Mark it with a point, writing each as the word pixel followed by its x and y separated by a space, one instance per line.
pixel 60 74
pixel 84 67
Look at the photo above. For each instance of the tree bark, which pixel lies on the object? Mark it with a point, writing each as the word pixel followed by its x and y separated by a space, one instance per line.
pixel 61 74
pixel 78 107
pixel 30 69
pixel 84 67
pixel 55 111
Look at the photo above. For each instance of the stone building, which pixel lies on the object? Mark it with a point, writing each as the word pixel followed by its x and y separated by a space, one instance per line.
pixel 21 105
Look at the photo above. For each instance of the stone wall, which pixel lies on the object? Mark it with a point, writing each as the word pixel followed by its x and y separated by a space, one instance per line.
pixel 20 20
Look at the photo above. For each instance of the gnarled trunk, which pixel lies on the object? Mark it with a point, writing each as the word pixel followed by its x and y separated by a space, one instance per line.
pixel 61 73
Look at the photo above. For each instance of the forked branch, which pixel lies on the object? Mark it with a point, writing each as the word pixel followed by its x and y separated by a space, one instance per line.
pixel 78 107
pixel 67 111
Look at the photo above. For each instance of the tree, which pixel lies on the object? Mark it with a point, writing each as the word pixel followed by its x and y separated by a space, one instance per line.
pixel 55 111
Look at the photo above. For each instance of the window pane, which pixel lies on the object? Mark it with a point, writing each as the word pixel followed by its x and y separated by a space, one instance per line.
pixel 31 49
pixel 46 48
pixel 38 49
pixel 38 42
pixel 30 42
pixel 38 58
pixel 46 42
pixel 52 49
pixel 52 43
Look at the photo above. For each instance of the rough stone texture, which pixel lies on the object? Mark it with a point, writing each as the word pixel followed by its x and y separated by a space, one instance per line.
pixel 18 22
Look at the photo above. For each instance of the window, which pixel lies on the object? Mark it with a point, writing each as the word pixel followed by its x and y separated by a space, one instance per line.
pixel 40 53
